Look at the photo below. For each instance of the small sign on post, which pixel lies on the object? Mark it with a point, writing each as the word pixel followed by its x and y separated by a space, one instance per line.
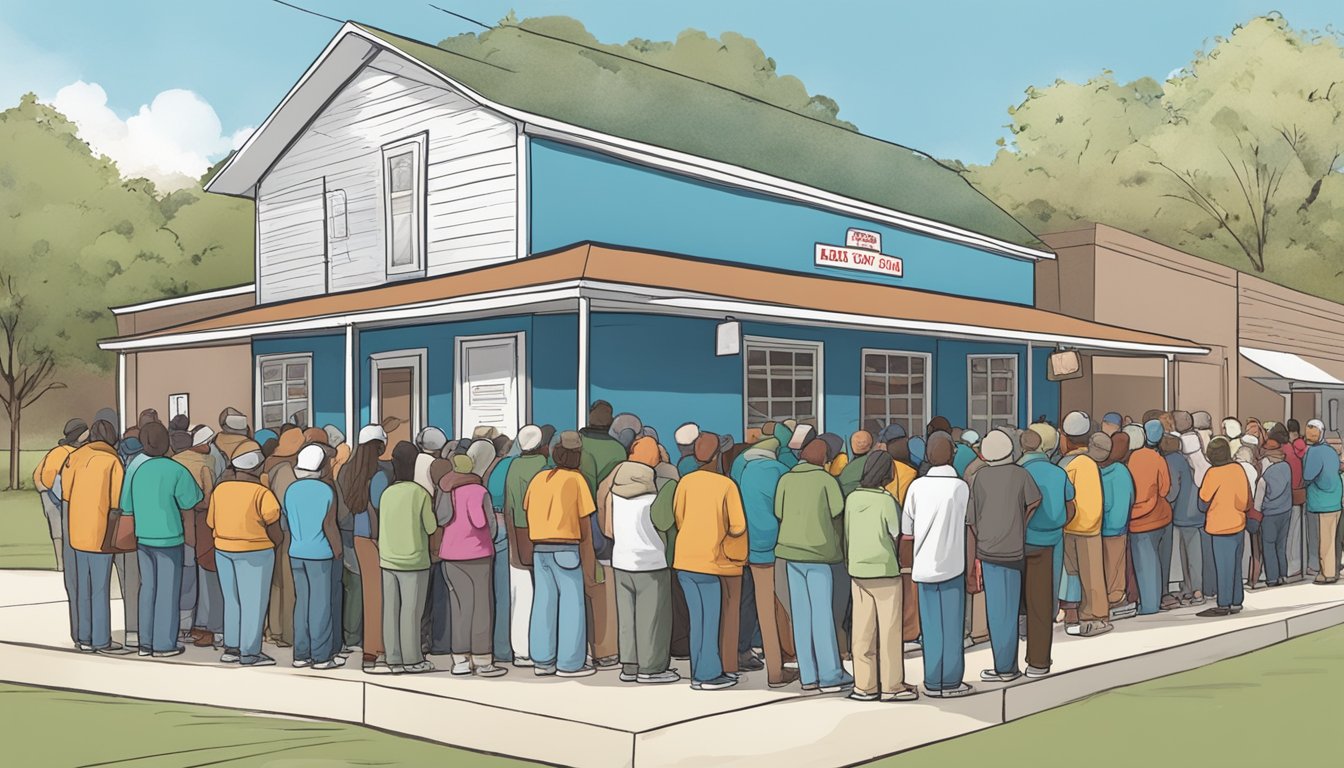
pixel 728 338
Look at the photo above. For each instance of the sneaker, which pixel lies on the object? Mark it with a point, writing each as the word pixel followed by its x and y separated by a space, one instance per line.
pixel 1214 612
pixel 991 676
pixel 856 696
pixel 113 649
pixel 905 694
pixel 132 639
pixel 911 646
pixel 336 662
pixel 748 662
pixel 1236 609
pixel 396 669
pixel 82 648
pixel 462 668
pixel 230 656
pixel 541 671
pixel 377 669
pixel 607 662
pixel 583 671
pixel 787 677
pixel 811 687
pixel 301 663
pixel 145 652
pixel 662 678
pixel 1035 672
pixel 420 668
pixel 1074 630
pixel 961 690
pixel 717 684
pixel 178 651
pixel 1124 611
pixel 491 670
pixel 522 661
pixel 933 693
pixel 260 660
pixel 627 677
pixel 843 684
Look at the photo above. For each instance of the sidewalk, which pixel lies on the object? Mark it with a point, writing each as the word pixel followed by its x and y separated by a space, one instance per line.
pixel 598 721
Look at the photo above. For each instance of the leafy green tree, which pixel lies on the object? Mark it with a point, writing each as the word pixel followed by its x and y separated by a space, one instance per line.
pixel 1234 158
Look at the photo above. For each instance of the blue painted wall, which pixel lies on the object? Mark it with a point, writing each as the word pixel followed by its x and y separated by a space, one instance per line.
pixel 328 382
pixel 577 195
pixel 1045 393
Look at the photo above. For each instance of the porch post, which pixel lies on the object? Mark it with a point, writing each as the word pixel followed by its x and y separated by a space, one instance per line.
pixel 1166 382
pixel 350 426
pixel 1031 381
pixel 582 393
pixel 121 393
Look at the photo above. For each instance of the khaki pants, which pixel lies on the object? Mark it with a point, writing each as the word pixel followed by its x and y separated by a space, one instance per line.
pixel 280 616
pixel 371 581
pixel 1329 551
pixel 910 607
pixel 601 599
pixel 730 620
pixel 1083 558
pixel 1113 549
pixel 879 661
pixel 776 626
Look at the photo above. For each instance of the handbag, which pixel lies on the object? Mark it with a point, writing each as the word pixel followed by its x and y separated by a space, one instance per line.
pixel 1299 496
pixel 120 536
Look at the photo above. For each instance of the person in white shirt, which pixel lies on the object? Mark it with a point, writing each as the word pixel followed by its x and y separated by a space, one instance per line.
pixel 934 515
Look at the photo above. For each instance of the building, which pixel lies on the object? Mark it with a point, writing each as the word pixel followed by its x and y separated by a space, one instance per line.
pixel 455 242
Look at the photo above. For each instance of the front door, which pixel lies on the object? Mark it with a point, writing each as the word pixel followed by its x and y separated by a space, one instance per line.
pixel 489 392
pixel 395 390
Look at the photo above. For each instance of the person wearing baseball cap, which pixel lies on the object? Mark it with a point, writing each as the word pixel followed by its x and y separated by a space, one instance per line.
pixel 1090 614
pixel 685 440
pixel 1320 477
pixel 1111 423
pixel 1150 520
pixel 1043 547
pixel 363 480
pixel 202 608
pixel 314 552
pixel 534 446
pixel 44 480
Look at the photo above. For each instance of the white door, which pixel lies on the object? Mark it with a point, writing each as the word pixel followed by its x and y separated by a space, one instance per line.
pixel 489 392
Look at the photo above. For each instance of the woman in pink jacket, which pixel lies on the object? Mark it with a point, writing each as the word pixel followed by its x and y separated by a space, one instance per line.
pixel 465 511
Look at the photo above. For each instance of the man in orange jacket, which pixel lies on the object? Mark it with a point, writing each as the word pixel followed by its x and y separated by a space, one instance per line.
pixel 90 490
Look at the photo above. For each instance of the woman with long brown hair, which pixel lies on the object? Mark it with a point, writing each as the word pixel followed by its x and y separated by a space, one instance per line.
pixel 363 480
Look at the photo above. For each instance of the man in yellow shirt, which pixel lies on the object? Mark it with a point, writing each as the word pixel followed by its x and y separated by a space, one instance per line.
pixel 44 480
pixel 90 490
pixel 558 503
pixel 1082 535
pixel 241 514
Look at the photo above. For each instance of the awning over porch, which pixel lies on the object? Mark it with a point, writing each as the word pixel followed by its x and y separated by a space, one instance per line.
pixel 1287 371
pixel 629 280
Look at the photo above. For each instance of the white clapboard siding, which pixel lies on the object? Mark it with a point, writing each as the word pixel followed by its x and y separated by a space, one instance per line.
pixel 470 182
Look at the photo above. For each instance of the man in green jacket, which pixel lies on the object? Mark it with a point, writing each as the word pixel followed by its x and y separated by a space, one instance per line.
pixel 535 444
pixel 808 503
pixel 860 445
pixel 601 454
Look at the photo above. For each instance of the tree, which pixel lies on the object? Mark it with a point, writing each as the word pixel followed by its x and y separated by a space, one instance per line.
pixel 26 369
pixel 1234 158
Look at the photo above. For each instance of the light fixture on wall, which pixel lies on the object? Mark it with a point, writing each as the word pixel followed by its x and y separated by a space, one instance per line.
pixel 728 338
pixel 1064 365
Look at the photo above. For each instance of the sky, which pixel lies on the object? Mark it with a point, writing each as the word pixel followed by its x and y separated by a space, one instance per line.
pixel 165 86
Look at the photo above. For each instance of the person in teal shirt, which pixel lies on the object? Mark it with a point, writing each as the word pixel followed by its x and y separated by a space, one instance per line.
pixel 156 496
pixel 314 544
pixel 1117 500
pixel 965 451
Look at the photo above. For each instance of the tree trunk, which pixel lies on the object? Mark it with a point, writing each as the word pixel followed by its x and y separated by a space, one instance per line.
pixel 15 482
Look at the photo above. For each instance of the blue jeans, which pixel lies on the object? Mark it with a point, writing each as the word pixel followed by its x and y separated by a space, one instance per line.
pixel 160 592
pixel 503 647
pixel 1210 574
pixel 704 596
pixel 312 609
pixel 1003 596
pixel 70 573
pixel 245 581
pixel 93 598
pixel 942 617
pixel 1274 536
pixel 1146 549
pixel 1227 567
pixel 811 587
pixel 558 634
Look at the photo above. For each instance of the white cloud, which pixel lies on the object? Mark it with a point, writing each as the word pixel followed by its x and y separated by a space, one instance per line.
pixel 171 140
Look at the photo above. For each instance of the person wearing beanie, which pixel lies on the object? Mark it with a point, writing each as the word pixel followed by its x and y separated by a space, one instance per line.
pixel 1083 558
pixel 1202 425
pixel 243 516
pixel 1002 497
pixel 362 483
pixel 534 446
pixel 835 452
pixel 1321 478
pixel 685 440
pixel 1112 423
pixel 710 553
pixel 807 504
pixel 559 505
pixel 1137 437
pixel 1225 497
pixel 202 602
pixel 405 522
pixel 935 517
pixel 759 479
pixel 860 444
pixel 1117 492
pixel 44 480
pixel 158 495
pixel 464 508
pixel 1043 545
pixel 131 450
pixel 872 521
pixel 315 551
pixel 1150 519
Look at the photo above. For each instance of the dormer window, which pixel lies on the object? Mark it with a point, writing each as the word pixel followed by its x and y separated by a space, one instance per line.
pixel 404 205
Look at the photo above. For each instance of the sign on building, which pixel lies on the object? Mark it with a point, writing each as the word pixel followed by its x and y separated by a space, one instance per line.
pixel 860 259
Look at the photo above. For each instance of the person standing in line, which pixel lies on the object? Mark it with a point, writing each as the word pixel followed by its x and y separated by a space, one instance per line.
pixel 1274 499
pixel 501 587
pixel 872 527
pixel 1150 521
pixel 363 480
pixel 1043 545
pixel 904 470
pixel 685 439
pixel 1225 497
pixel 1003 497
pixel 1320 476
pixel 558 504
pixel 534 445
pixel 601 454
pixel 761 472
pixel 244 516
pixel 277 473
pixel 1248 457
pixel 207 623
pixel 314 555
pixel 711 546
pixel 161 491
pixel 44 480
pixel 91 486
pixel 1295 452
pixel 1117 493
pixel 860 444
pixel 1083 556
pixel 935 517
pixel 467 559
pixel 127 564
pixel 405 523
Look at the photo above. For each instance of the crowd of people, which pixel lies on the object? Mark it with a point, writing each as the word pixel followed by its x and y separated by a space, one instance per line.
pixel 576 551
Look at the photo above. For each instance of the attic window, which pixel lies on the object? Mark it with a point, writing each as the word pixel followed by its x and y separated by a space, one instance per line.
pixel 336 221
pixel 404 204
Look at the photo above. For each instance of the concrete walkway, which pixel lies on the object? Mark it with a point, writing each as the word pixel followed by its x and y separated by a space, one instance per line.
pixel 599 721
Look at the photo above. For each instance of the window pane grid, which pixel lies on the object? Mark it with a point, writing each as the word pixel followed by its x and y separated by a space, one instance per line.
pixel 992 386
pixel 781 384
pixel 893 387
pixel 285 392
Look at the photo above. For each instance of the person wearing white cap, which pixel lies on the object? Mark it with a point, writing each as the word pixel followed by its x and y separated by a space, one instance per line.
pixel 1083 558
pixel 961 460
pixel 1320 476
pixel 314 549
pixel 534 443
pixel 200 582
pixel 430 441
pixel 362 482
pixel 685 439
pixel 1003 495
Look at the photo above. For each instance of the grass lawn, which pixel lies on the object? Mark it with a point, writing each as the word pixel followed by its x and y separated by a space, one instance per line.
pixel 24 539
pixel 150 734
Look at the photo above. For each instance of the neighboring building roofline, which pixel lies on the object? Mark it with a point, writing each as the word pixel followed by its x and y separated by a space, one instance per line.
pixel 219 293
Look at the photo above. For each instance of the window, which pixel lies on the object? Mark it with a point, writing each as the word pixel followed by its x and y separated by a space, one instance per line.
pixel 992 381
pixel 404 200
pixel 783 381
pixel 336 229
pixel 284 390
pixel 895 389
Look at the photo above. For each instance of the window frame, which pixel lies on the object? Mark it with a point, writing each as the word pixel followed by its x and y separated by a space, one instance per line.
pixel 332 195
pixel 260 402
pixel 926 413
pixel 418 144
pixel 417 360
pixel 818 350
pixel 989 391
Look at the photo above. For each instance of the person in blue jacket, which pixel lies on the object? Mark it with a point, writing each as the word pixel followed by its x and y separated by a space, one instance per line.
pixel 760 474
pixel 1117 499
pixel 1320 475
